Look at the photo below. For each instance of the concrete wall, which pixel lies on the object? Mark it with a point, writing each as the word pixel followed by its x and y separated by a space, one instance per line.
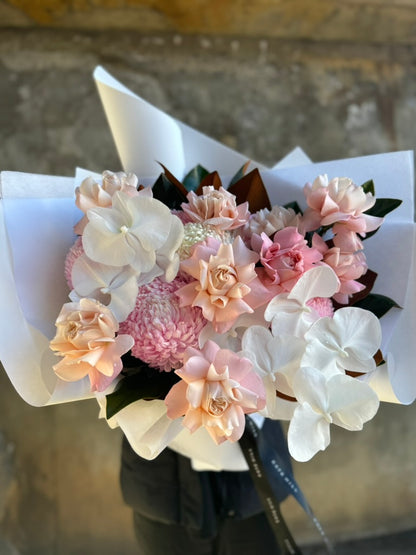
pixel 262 95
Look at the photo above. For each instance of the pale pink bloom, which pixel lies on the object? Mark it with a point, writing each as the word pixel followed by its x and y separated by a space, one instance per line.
pixel 217 389
pixel 91 194
pixel 339 200
pixel 346 240
pixel 348 266
pixel 225 283
pixel 86 339
pixel 285 258
pixel 162 330
pixel 269 221
pixel 217 208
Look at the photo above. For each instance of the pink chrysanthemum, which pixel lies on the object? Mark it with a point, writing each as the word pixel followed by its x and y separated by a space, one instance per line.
pixel 162 330
pixel 74 252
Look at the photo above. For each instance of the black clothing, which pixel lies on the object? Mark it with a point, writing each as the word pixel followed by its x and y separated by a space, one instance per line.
pixel 200 513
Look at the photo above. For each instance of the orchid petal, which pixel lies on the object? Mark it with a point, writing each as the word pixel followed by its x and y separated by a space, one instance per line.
pixel 351 402
pixel 308 433
pixel 317 282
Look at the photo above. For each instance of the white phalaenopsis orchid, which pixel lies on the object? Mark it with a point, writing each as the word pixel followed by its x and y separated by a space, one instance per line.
pixel 305 358
pixel 132 232
pixel 348 341
pixel 276 360
pixel 289 312
pixel 115 287
pixel 340 400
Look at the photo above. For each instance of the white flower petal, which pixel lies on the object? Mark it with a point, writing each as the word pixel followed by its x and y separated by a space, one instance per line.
pixel 123 299
pixel 276 407
pixel 112 286
pixel 350 339
pixel 351 402
pixel 358 331
pixel 310 386
pixel 131 232
pixel 254 344
pixel 289 313
pixel 318 355
pixel 316 282
pixel 308 433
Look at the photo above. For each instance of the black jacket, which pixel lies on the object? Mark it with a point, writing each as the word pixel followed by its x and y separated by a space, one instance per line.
pixel 168 490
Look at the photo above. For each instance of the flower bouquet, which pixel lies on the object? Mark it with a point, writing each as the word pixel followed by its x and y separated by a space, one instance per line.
pixel 209 289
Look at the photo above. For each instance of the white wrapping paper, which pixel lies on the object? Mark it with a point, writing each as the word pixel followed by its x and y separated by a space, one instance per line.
pixel 36 218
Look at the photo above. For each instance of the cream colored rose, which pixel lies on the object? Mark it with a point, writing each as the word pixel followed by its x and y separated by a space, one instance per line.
pixel 86 339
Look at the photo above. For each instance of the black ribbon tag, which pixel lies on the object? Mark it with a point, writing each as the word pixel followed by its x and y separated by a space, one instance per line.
pixel 249 443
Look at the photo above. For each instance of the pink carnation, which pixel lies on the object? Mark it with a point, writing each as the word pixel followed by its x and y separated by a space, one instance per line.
pixel 161 329
pixel 225 283
pixel 348 266
pixel 340 201
pixel 286 258
pixel 217 208
pixel 217 388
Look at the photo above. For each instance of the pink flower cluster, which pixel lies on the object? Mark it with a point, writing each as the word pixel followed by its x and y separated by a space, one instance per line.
pixel 178 284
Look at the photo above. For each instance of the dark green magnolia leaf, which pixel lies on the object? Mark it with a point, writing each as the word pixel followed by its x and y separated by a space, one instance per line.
pixel 168 193
pixel 294 206
pixel 146 383
pixel 377 304
pixel 241 173
pixel 381 207
pixel 193 179
pixel 368 187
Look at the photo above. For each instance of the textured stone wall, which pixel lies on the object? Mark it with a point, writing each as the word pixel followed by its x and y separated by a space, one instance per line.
pixel 378 21
pixel 261 95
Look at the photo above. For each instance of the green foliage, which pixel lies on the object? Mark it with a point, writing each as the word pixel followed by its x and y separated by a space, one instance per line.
pixel 377 304
pixel 167 192
pixel 144 383
pixel 368 187
pixel 381 208
pixel 240 174
pixel 193 179
pixel 294 206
